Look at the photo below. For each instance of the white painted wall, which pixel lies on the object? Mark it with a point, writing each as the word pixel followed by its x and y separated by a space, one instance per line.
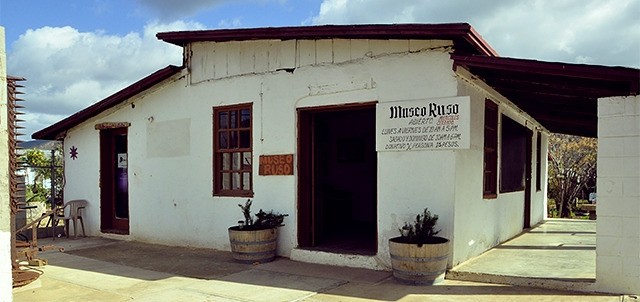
pixel 82 178
pixel 170 190
pixel 618 230
pixel 539 198
pixel 481 224
pixel 6 282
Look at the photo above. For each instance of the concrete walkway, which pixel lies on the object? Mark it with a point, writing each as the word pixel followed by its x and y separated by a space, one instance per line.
pixel 97 269
pixel 557 254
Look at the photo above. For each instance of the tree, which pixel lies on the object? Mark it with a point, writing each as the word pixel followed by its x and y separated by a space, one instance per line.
pixel 572 169
pixel 43 168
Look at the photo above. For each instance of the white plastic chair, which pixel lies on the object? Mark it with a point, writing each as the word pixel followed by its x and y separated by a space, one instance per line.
pixel 71 211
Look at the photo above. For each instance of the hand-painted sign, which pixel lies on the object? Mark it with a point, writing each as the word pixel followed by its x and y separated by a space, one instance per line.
pixel 430 124
pixel 281 164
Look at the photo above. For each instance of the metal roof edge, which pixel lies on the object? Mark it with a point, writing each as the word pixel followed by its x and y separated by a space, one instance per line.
pixel 459 32
pixel 551 68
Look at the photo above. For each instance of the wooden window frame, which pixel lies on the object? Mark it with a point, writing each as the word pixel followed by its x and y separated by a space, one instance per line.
pixel 539 162
pixel 232 151
pixel 490 167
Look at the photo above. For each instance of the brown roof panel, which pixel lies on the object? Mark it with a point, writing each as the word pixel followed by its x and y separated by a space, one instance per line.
pixel 54 131
pixel 465 38
pixel 562 97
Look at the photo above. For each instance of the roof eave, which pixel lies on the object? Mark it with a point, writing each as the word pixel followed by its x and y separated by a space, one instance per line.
pixel 458 32
pixel 561 96
pixel 551 68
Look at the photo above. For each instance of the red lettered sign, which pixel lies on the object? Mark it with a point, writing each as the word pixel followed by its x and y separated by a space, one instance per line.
pixel 280 164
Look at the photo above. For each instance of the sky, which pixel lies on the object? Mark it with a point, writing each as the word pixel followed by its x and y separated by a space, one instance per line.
pixel 74 53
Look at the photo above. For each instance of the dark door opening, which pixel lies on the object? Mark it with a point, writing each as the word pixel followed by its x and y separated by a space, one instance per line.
pixel 515 163
pixel 337 180
pixel 527 183
pixel 114 184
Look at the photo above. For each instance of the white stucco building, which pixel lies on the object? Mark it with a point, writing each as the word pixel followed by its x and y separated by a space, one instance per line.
pixel 5 199
pixel 352 130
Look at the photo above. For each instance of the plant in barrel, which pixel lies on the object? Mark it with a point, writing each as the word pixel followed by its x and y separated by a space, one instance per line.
pixel 255 240
pixel 418 256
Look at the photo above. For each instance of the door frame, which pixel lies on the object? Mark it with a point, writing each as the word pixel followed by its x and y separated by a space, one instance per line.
pixel 109 223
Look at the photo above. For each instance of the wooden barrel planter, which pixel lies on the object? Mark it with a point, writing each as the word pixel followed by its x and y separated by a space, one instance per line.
pixel 250 246
pixel 419 265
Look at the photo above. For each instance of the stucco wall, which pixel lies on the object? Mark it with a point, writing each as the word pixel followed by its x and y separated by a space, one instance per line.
pixel 483 223
pixel 170 142
pixel 539 197
pixel 5 227
pixel 618 207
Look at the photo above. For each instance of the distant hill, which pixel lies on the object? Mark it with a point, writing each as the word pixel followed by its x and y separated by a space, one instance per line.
pixel 39 144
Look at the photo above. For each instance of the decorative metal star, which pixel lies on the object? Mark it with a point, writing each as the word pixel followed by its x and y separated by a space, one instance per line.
pixel 73 152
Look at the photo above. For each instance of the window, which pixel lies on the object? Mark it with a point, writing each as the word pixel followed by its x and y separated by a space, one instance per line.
pixel 538 162
pixel 232 148
pixel 513 155
pixel 490 182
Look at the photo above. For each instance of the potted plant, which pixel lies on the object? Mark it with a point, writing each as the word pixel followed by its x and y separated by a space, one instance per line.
pixel 418 256
pixel 255 240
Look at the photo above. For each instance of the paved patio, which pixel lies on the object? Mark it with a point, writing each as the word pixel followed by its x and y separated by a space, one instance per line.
pixel 98 269
pixel 559 253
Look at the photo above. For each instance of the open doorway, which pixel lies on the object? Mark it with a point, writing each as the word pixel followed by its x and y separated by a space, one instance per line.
pixel 337 179
pixel 114 193
pixel 515 168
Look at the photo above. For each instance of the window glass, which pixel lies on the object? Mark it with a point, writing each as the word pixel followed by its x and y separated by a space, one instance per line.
pixel 234 119
pixel 236 161
pixel 223 141
pixel 236 181
pixel 223 120
pixel 226 161
pixel 233 140
pixel 246 118
pixel 246 160
pixel 245 139
pixel 246 184
pixel 226 181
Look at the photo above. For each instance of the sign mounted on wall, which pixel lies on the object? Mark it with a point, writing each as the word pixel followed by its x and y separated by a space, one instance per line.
pixel 281 164
pixel 429 124
pixel 122 160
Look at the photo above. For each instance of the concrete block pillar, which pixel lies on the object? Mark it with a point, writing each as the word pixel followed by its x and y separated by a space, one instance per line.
pixel 6 283
pixel 618 205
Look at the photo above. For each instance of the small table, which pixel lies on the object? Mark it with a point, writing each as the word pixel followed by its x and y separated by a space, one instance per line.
pixel 591 208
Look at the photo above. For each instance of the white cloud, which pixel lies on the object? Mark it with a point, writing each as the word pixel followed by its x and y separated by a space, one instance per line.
pixel 232 23
pixel 604 32
pixel 67 70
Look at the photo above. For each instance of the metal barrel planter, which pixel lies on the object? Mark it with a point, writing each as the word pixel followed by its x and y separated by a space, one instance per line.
pixel 419 265
pixel 250 246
